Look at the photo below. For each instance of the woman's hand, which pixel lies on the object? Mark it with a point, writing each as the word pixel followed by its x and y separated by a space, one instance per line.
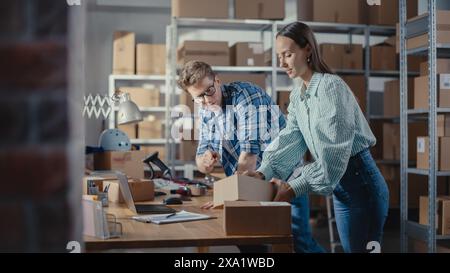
pixel 207 205
pixel 284 191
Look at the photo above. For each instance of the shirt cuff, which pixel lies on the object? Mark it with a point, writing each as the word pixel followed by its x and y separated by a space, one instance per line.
pixel 266 170
pixel 299 186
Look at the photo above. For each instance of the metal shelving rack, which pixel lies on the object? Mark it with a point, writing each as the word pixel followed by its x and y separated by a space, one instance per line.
pixel 172 39
pixel 407 30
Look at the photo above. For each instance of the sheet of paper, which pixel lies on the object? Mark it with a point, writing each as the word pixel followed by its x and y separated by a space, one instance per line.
pixel 182 216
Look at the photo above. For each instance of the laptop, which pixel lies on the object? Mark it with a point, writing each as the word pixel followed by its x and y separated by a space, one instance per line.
pixel 139 208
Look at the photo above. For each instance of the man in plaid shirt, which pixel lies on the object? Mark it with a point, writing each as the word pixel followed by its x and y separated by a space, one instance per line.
pixel 237 122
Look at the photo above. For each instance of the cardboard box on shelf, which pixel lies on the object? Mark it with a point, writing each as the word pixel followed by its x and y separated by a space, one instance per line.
pixel 142 190
pixel 391 97
pixel 377 128
pixel 391 139
pixel 443 125
pixel 186 100
pixel 383 56
pixel 143 97
pixel 357 85
pixel 283 101
pixel 124 53
pixel 387 12
pixel 343 11
pixel 200 8
pixel 421 91
pixel 442 215
pixel 257 218
pixel 242 188
pixel 129 162
pixel 129 129
pixel 391 175
pixel 442 67
pixel 247 54
pixel 150 59
pixel 342 56
pixel 212 53
pixel 259 9
pixel 442 31
pixel 442 148
pixel 418 186
pixel 268 58
pixel 256 78
pixel 150 128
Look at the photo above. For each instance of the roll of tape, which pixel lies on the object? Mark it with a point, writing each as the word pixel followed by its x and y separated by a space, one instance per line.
pixel 198 190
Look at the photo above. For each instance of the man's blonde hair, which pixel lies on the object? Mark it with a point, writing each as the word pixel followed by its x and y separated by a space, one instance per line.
pixel 194 72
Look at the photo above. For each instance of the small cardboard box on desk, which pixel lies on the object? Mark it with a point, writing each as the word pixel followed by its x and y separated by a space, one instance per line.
pixel 141 189
pixel 257 218
pixel 242 188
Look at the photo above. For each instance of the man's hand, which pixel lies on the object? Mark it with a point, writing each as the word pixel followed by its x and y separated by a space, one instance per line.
pixel 207 205
pixel 257 175
pixel 284 191
pixel 207 161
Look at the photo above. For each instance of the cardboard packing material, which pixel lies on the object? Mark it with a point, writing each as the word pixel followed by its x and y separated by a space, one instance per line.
pixel 387 12
pixel 283 101
pixel 242 188
pixel 342 11
pixel 342 56
pixel 124 53
pixel 143 97
pixel 259 9
pixel 442 148
pixel 247 54
pixel 357 85
pixel 442 215
pixel 150 59
pixel 212 53
pixel 150 128
pixel 129 129
pixel 129 162
pixel 383 56
pixel 141 189
pixel 257 218
pixel 421 91
pixel 443 125
pixel 391 97
pixel 200 8
pixel 391 139
pixel 188 150
pixel 258 79
pixel 442 67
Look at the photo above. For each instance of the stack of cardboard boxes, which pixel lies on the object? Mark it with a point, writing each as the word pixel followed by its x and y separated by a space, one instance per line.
pixel 141 59
pixel 353 11
pixel 421 93
pixel 248 207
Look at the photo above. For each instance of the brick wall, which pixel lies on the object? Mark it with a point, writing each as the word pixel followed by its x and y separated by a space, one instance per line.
pixel 39 207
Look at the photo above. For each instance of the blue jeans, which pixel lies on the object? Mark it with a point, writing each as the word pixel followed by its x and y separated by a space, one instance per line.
pixel 301 230
pixel 361 202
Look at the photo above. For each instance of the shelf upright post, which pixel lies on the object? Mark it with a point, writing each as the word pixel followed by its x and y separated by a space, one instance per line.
pixel 367 69
pixel 432 126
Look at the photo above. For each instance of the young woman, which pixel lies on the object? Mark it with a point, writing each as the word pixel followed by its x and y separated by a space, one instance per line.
pixel 325 119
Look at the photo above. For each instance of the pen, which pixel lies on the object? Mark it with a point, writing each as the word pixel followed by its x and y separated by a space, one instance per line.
pixel 170 215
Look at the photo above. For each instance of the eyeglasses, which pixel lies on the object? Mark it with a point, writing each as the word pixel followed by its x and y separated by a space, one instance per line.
pixel 211 90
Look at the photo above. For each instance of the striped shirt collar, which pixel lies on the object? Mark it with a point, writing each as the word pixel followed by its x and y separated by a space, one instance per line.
pixel 312 87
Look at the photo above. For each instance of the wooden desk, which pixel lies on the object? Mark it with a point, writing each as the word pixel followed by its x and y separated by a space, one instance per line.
pixel 200 234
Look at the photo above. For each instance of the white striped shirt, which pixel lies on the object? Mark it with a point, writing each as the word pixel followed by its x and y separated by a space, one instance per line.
pixel 326 119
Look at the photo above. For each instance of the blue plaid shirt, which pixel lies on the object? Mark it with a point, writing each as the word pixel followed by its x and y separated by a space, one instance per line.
pixel 248 121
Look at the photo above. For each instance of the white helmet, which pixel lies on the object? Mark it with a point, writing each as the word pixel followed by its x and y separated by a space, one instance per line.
pixel 114 140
